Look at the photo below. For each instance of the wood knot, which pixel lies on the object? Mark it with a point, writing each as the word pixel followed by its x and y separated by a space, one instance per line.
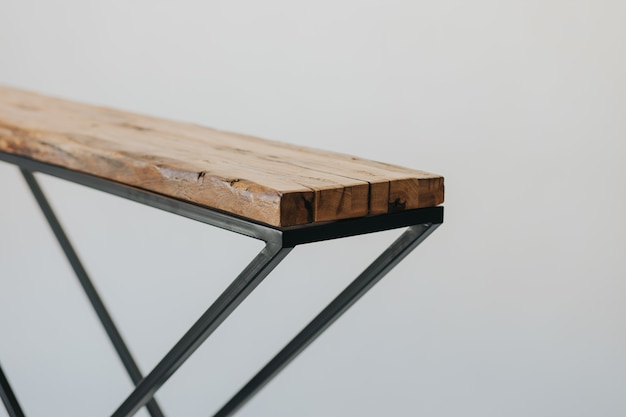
pixel 397 205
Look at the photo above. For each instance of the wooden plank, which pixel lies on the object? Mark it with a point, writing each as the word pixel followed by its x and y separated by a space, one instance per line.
pixel 267 181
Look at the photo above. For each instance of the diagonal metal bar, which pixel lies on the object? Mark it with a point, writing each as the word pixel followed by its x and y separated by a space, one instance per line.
pixel 8 397
pixel 90 290
pixel 398 250
pixel 271 255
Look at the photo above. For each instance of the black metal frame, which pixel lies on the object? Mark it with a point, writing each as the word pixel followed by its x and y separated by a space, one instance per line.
pixel 279 242
pixel 8 397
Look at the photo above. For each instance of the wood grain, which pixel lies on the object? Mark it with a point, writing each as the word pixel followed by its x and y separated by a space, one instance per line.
pixel 271 182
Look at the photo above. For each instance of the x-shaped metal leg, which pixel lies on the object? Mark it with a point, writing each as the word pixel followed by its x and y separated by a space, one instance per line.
pixel 239 289
pixel 271 255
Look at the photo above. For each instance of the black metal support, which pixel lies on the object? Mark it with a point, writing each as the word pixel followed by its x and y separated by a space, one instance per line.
pixel 236 292
pixel 8 397
pixel 279 242
pixel 90 290
pixel 408 241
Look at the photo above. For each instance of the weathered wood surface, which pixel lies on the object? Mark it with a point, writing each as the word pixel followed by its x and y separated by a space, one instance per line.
pixel 271 182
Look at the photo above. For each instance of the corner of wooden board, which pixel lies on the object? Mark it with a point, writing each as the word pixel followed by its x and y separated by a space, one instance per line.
pixel 412 193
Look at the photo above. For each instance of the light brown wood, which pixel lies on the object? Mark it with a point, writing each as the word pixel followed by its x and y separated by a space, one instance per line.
pixel 267 181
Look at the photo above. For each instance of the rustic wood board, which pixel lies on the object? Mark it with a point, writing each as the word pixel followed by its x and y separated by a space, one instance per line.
pixel 267 181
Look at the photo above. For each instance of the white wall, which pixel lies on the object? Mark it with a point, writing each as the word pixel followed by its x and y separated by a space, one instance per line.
pixel 515 307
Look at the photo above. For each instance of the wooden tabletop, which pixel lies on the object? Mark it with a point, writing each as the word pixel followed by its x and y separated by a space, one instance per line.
pixel 267 181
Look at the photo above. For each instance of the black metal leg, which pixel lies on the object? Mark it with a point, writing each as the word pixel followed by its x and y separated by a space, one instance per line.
pixel 90 290
pixel 408 241
pixel 236 292
pixel 279 242
pixel 8 398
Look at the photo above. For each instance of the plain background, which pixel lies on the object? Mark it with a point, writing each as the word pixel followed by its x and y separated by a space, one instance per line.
pixel 515 307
